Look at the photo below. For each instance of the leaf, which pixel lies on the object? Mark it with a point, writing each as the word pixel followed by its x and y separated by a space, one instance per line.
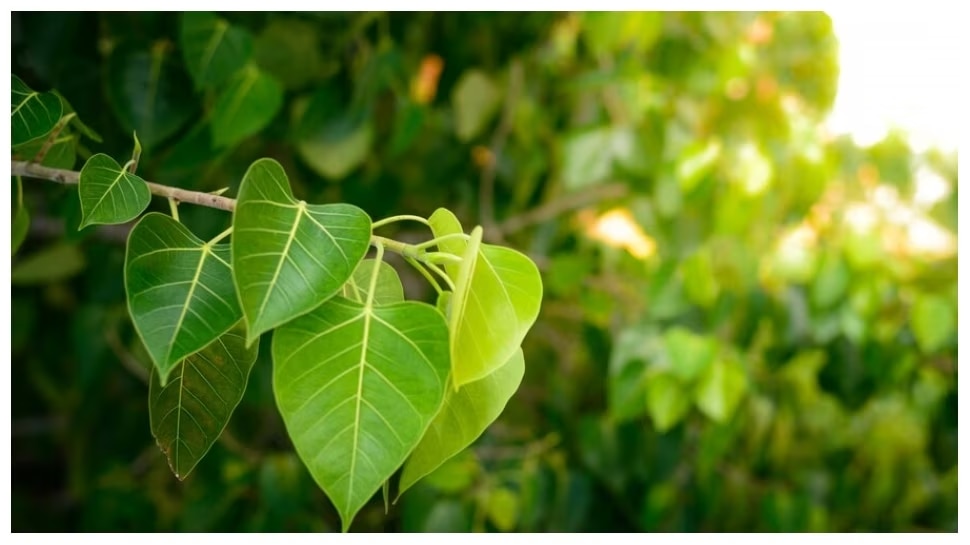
pixel 189 414
pixel 289 50
pixel 32 114
pixel 149 93
pixel 667 402
pixel 503 509
pixel 933 322
pixel 720 390
pixel 180 291
pixel 475 101
pixel 213 49
pixel 110 194
pixel 61 154
pixel 250 101
pixel 689 354
pixel 463 417
pixel 388 289
pixel 21 225
pixel 288 256
pixel 332 138
pixel 497 296
pixel 54 263
pixel 442 223
pixel 357 385
pixel 76 120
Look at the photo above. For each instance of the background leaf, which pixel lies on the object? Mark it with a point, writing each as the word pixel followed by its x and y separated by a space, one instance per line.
pixel 109 193
pixel 463 417
pixel 475 101
pixel 189 415
pixel 213 49
pixel 57 262
pixel 180 291
pixel 249 102
pixel 288 257
pixel 357 386
pixel 32 114
pixel 332 138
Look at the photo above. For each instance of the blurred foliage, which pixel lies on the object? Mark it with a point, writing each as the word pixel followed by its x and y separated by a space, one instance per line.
pixel 749 325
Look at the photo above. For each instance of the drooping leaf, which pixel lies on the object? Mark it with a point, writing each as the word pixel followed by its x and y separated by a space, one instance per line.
pixel 288 256
pixel 475 101
pixel 463 417
pixel 332 138
pixel 720 390
pixel 148 92
pixel 667 401
pixel 58 262
pixel 357 385
pixel 32 114
pixel 388 289
pixel 250 101
pixel 109 193
pixel 213 49
pixel 497 296
pixel 180 291
pixel 189 414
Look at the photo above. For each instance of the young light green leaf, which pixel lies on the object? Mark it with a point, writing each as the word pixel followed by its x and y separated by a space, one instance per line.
pixel 288 256
pixel 148 92
pixel 475 101
pixel 189 414
pixel 689 354
pixel 109 193
pixel 213 49
pixel 180 291
pixel 667 401
pixel 357 385
pixel 463 417
pixel 388 289
pixel 32 114
pixel 720 390
pixel 54 263
pixel 503 508
pixel 498 292
pixel 443 222
pixel 249 102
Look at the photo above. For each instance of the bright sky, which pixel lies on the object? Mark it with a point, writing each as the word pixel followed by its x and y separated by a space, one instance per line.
pixel 899 67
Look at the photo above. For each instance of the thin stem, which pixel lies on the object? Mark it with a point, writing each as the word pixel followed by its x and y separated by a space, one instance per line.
pixel 71 177
pixel 373 276
pixel 403 217
pixel 442 238
pixel 20 193
pixel 424 272
pixel 444 276
pixel 396 246
pixel 441 257
pixel 174 207
pixel 220 236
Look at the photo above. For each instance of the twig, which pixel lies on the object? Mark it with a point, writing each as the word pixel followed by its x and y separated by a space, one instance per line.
pixel 563 204
pixel 486 186
pixel 71 177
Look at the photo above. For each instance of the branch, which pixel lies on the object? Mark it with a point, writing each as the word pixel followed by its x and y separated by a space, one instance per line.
pixel 71 177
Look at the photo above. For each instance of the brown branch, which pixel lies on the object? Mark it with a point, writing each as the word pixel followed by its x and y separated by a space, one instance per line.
pixel 71 177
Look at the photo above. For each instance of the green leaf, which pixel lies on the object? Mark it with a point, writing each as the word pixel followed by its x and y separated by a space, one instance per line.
pixel 463 417
pixel 933 322
pixel 720 390
pixel 189 414
pixel 250 101
pixel 289 50
pixel 288 256
pixel 213 49
pixel 76 120
pixel 502 507
pixel 357 385
pixel 180 291
pixel 831 282
pixel 700 280
pixel 32 114
pixel 149 93
pixel 21 225
pixel 388 289
pixel 475 100
pixel 689 354
pixel 498 292
pixel 443 222
pixel 54 263
pixel 332 138
pixel 667 402
pixel 61 154
pixel 109 193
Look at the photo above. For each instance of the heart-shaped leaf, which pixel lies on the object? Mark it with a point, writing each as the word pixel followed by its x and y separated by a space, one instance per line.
pixel 249 102
pixel 357 385
pixel 288 256
pixel 463 417
pixel 213 49
pixel 180 291
pixel 387 290
pixel 32 114
pixel 189 414
pixel 497 296
pixel 332 137
pixel 109 193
